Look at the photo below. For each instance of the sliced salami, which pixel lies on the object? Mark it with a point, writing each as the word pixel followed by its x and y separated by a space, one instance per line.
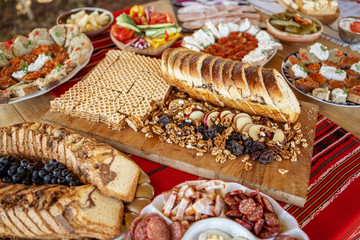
pixel 236 192
pixel 271 219
pixel 132 228
pixel 237 199
pixel 247 206
pixel 259 200
pixel 234 206
pixel 151 216
pixel 252 194
pixel 284 237
pixel 257 214
pixel 259 226
pixel 141 231
pixel 276 228
pixel 176 230
pixel 234 213
pixel 158 230
pixel 267 234
pixel 267 205
pixel 244 224
pixel 229 199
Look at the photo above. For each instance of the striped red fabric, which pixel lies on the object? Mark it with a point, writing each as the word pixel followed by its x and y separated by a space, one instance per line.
pixel 332 209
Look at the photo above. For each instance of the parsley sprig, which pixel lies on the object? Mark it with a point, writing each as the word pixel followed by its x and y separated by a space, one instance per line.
pixel 323 48
pixel 59 67
pixel 24 66
pixel 302 67
pixel 2 56
pixel 345 90
pixel 339 71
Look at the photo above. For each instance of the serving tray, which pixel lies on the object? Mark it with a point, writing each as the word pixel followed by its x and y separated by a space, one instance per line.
pixel 291 187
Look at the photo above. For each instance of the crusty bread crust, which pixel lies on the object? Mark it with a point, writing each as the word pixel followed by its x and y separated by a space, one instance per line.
pixel 231 83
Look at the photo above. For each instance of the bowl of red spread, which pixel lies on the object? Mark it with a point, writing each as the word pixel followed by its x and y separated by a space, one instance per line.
pixel 349 29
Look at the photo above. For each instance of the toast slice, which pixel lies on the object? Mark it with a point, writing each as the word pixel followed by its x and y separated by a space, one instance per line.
pixel 58 34
pixel 15 231
pixel 40 36
pixel 22 46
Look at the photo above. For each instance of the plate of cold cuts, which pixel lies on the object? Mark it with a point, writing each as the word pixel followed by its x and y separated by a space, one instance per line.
pixel 326 75
pixel 203 208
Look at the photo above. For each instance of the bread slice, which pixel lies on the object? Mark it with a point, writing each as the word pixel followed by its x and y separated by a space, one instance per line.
pixel 22 46
pixel 15 231
pixel 6 49
pixel 40 36
pixel 281 94
pixel 58 34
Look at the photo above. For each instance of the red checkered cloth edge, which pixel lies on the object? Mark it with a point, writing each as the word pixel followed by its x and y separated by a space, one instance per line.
pixel 332 209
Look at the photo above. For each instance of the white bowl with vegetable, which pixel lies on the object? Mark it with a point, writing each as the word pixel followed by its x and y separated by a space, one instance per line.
pixel 148 37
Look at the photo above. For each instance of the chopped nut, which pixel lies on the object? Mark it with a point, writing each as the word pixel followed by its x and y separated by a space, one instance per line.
pixel 292 144
pixel 303 140
pixel 231 156
pixel 149 135
pixel 216 151
pixel 245 158
pixel 297 126
pixel 286 127
pixel 199 154
pixel 283 171
pixel 226 152
pixel 262 139
pixel 221 158
pixel 248 166
pixel 278 158
pixel 145 129
pixel 305 145
pixel 297 141
pixel 157 129
pixel 219 141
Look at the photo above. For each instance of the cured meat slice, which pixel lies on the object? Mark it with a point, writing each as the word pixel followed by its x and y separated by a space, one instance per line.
pixel 234 213
pixel 257 214
pixel 267 234
pixel 284 237
pixel 176 230
pixel 141 231
pixel 276 228
pixel 247 206
pixel 259 226
pixel 271 219
pixel 133 226
pixel 267 204
pixel 244 224
pixel 158 230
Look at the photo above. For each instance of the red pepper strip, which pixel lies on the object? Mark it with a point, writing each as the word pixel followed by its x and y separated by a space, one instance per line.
pixel 169 18
pixel 166 35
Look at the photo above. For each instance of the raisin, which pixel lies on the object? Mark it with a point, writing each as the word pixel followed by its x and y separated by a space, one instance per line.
pixel 266 156
pixel 234 147
pixel 201 129
pixel 235 136
pixel 184 124
pixel 255 155
pixel 210 133
pixel 164 120
pixel 256 146
pixel 247 144
pixel 219 128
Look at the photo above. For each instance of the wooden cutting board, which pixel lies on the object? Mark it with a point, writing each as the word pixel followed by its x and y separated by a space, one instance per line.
pixel 290 187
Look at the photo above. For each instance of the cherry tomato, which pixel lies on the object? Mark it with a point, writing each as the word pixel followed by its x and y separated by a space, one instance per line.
pixel 355 27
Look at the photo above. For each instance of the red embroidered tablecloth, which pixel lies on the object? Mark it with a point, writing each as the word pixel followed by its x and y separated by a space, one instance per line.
pixel 332 209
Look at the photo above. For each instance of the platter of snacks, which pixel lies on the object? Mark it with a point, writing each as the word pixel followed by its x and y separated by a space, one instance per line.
pixel 33 66
pixel 145 30
pixel 294 28
pixel 325 11
pixel 201 208
pixel 119 93
pixel 57 183
pixel 243 42
pixel 326 75
pixel 92 21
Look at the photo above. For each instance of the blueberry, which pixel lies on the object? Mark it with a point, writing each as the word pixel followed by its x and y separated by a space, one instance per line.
pixel 47 179
pixel 32 166
pixel 7 179
pixel 11 171
pixel 26 181
pixel 10 158
pixel 74 183
pixel 16 178
pixel 35 174
pixel 53 162
pixel 4 161
pixel 61 180
pixel 24 163
pixel 21 170
pixel 39 181
pixel 69 177
pixel 14 166
pixel 49 167
pixel 43 173
pixel 61 166
pixel 54 181
pixel 56 172
pixel 64 172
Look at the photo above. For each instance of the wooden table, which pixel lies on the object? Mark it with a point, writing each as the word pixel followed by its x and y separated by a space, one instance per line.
pixel 348 118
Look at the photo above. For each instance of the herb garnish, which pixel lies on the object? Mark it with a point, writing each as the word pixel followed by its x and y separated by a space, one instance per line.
pixel 302 67
pixel 357 66
pixel 59 67
pixel 339 71
pixel 47 54
pixel 2 56
pixel 323 48
pixel 345 90
pixel 24 66
pixel 57 34
pixel 264 52
pixel 27 44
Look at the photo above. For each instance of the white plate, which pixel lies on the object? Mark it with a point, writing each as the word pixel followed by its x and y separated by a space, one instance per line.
pixel 288 223
pixel 285 72
pixel 66 78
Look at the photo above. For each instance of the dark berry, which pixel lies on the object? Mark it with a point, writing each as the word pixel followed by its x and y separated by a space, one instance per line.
pixel 16 178
pixel 7 179
pixel 53 162
pixel 235 136
pixel 47 179
pixel 219 128
pixel 266 156
pixel 39 181
pixel 56 172
pixel 247 144
pixel 35 174
pixel 49 167
pixel 32 166
pixel 185 124
pixel 14 165
pixel 61 180
pixel 4 161
pixel 70 177
pixel 11 171
pixel 43 173
pixel 24 163
pixel 61 166
pixel 10 158
pixel 256 146
pixel 201 129
pixel 254 155
pixel 164 120
pixel 234 147
pixel 73 183
pixel 64 172
pixel 210 133
pixel 21 170
pixel 54 181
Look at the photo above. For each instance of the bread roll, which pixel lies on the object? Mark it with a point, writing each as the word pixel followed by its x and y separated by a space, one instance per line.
pixel 223 82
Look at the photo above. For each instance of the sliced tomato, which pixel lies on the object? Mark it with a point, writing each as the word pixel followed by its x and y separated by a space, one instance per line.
pixel 122 33
pixel 355 27
pixel 157 17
